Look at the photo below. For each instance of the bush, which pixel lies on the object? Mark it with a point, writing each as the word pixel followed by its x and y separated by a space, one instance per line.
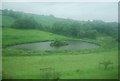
pixel 58 43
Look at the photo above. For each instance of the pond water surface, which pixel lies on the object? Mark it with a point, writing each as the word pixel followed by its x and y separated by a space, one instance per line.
pixel 73 45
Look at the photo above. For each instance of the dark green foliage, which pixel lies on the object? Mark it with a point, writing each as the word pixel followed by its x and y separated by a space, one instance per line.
pixel 67 27
pixel 12 13
pixel 58 43
pixel 118 39
pixel 74 29
pixel 28 23
pixel 108 28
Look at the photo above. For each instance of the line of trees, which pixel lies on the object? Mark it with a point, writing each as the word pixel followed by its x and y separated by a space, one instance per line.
pixel 75 29
pixel 79 29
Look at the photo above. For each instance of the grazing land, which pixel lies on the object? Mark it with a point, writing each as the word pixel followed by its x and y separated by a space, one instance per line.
pixel 97 63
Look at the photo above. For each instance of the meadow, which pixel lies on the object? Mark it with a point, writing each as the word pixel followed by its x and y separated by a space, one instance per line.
pixel 81 64
pixel 75 66
pixel 15 36
pixel 23 28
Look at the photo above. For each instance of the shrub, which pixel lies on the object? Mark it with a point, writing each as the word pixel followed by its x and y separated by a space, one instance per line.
pixel 58 43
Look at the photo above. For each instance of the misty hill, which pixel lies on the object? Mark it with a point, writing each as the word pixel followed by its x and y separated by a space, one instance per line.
pixel 10 15
pixel 67 27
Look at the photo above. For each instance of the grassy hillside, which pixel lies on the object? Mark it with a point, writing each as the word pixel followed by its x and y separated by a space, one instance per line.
pixel 49 20
pixel 81 64
pixel 16 36
pixel 46 20
pixel 41 19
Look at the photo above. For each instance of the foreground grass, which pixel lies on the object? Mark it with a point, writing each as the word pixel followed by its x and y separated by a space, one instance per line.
pixel 75 66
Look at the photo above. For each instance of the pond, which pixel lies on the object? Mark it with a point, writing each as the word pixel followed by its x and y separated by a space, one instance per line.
pixel 73 45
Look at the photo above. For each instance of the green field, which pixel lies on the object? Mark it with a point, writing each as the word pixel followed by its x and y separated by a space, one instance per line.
pixel 22 28
pixel 81 64
pixel 15 36
pixel 75 66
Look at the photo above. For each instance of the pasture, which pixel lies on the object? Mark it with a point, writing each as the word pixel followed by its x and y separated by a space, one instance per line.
pixel 81 64
pixel 67 66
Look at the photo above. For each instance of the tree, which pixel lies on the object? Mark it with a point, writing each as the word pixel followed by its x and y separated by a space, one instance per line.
pixel 28 23
pixel 75 29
